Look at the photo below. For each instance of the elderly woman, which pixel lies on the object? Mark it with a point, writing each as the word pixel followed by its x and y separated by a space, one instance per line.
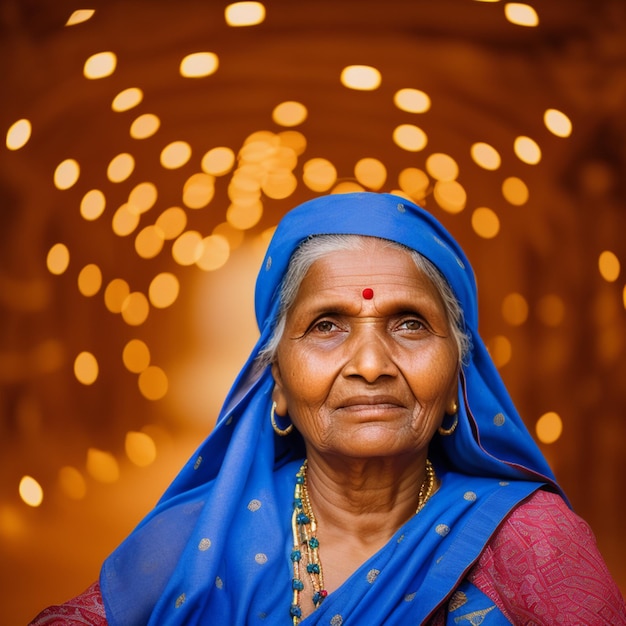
pixel 368 466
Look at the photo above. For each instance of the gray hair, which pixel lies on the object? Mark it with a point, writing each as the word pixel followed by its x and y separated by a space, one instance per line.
pixel 318 246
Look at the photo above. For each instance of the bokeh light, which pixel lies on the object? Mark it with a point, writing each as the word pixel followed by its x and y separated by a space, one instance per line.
pixel 30 491
pixel 66 174
pixel 100 65
pixel 347 186
pixel 142 197
pixel 244 13
pixel 90 280
pixel 442 167
pixel 172 222
pixel 515 309
pixel 551 310
pixel 414 182
pixel 198 190
pixel 371 173
pixel 79 16
pixel 549 427
pixel 609 266
pixel 515 191
pixel 125 220
pixel 165 287
pixel 244 216
pixel 361 77
pixel 153 383
pixel 72 483
pixel 521 14
pixel 215 253
pixel 115 294
pixel 92 205
pixel 86 368
pixel 120 167
pixel 319 174
pixel 58 259
pixel 136 356
pixel 557 123
pixel 175 155
pixel 199 65
pixel 135 308
pixel 127 99
pixel 485 222
pixel 410 137
pixel 412 100
pixel 18 134
pixel 527 150
pixel 279 184
pixel 187 248
pixel 294 140
pixel 289 113
pixel 140 448
pixel 102 466
pixel 145 126
pixel 218 161
pixel 500 349
pixel 149 242
pixel 451 196
pixel 485 155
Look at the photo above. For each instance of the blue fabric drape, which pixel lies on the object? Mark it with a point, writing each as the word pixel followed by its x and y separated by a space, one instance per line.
pixel 216 547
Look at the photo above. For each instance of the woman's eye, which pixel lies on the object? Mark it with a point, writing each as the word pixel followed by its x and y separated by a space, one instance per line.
pixel 411 324
pixel 324 326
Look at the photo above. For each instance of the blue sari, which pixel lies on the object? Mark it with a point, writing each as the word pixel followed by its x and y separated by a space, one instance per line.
pixel 215 550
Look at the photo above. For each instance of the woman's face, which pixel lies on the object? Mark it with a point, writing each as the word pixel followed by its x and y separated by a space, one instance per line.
pixel 366 377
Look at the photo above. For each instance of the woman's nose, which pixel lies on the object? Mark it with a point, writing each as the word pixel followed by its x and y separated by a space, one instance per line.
pixel 369 355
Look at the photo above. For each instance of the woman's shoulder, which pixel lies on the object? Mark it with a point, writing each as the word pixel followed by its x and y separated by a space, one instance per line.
pixel 543 564
pixel 543 516
pixel 86 608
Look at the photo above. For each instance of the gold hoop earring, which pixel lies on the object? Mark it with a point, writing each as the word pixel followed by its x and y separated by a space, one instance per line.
pixel 281 432
pixel 446 432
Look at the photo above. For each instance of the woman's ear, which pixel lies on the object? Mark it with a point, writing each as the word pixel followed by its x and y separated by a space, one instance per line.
pixel 278 394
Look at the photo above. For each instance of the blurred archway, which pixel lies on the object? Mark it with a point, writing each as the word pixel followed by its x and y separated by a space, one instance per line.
pixel 152 146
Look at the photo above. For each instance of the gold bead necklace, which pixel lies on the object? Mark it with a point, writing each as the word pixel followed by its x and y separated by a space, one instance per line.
pixel 427 487
pixel 306 544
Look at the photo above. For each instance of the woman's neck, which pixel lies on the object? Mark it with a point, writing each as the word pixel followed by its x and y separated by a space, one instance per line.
pixel 354 507
pixel 366 500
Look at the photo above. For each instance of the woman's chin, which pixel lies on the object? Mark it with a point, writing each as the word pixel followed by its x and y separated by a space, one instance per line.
pixel 375 441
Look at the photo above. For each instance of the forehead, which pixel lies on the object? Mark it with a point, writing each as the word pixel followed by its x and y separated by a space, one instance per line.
pixel 375 265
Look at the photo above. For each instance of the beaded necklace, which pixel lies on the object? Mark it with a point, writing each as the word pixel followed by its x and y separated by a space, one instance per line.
pixel 306 544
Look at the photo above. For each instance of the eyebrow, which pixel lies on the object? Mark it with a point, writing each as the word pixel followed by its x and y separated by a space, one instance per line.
pixel 424 305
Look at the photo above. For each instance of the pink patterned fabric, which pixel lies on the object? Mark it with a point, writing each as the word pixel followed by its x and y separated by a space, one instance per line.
pixel 86 609
pixel 541 568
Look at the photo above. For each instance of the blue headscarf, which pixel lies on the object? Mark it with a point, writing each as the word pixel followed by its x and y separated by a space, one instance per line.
pixel 217 544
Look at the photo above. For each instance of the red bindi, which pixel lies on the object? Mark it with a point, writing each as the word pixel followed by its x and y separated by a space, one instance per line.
pixel 368 293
